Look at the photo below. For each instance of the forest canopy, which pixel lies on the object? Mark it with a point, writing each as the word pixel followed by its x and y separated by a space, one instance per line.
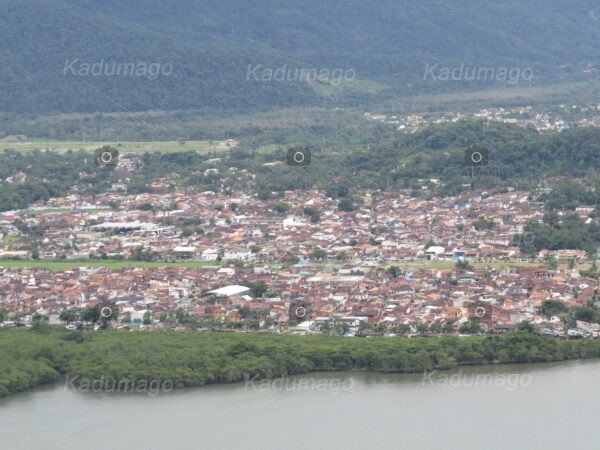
pixel 29 358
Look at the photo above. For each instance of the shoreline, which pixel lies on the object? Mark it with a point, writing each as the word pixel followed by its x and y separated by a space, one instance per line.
pixel 324 377
pixel 199 359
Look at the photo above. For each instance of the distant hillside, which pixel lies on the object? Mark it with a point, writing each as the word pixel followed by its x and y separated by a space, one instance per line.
pixel 217 49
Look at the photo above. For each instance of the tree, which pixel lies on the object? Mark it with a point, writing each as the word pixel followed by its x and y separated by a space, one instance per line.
pixel 346 205
pixel 551 262
pixel 422 328
pixel 21 226
pixel 326 327
pixel 483 224
pixel 142 254
pixel 3 314
pixel 146 207
pixel 281 207
pixel 463 266
pixel 318 254
pixel 292 260
pixel 258 288
pixel 313 213
pixel 394 271
pixel 91 314
pixel 525 327
pixel 553 307
pixel 403 329
pixel 37 317
pixel 41 326
pixel 447 328
pixel 586 314
pixel 68 315
pixel 471 327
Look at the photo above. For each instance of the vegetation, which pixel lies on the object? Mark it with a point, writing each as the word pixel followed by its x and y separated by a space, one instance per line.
pixel 568 195
pixel 41 175
pixel 29 358
pixel 385 43
pixel 553 307
pixel 519 157
pixel 471 327
pixel 113 264
pixel 124 147
pixel 568 232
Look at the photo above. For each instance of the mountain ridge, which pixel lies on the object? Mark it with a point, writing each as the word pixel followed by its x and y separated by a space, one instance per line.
pixel 211 44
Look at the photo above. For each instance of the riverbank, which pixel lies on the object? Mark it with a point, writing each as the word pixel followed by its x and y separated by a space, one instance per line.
pixel 349 410
pixel 185 359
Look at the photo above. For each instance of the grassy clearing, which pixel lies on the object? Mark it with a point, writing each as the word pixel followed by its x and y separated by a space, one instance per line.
pixel 328 88
pixel 37 212
pixel 445 265
pixel 62 265
pixel 9 239
pixel 329 266
pixel 124 147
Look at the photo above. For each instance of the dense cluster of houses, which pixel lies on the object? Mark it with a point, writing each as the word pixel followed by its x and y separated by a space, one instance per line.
pixel 522 115
pixel 209 249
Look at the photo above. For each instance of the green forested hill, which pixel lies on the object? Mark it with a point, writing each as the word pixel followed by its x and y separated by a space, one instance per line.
pixel 211 43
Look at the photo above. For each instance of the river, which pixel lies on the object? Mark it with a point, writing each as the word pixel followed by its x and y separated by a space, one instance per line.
pixel 546 406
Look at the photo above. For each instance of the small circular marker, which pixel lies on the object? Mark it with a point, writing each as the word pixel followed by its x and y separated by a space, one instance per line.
pixel 106 312
pixel 300 311
pixel 106 157
pixel 299 157
pixel 476 157
pixel 480 311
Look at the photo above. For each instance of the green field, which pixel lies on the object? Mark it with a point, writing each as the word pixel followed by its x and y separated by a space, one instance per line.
pixel 37 212
pixel 62 265
pixel 9 239
pixel 439 265
pixel 123 147
pixel 445 265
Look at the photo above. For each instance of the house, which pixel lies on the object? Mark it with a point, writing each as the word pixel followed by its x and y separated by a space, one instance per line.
pixel 228 291
pixel 182 252
pixel 210 254
pixel 434 252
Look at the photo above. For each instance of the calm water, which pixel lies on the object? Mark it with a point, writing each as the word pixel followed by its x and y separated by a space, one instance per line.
pixel 522 407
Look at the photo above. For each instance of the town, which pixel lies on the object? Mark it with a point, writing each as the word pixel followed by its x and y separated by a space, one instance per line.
pixel 559 118
pixel 393 264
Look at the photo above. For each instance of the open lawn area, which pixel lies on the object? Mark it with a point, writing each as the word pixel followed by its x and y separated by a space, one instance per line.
pixel 62 265
pixel 444 265
pixel 123 147
pixel 37 212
